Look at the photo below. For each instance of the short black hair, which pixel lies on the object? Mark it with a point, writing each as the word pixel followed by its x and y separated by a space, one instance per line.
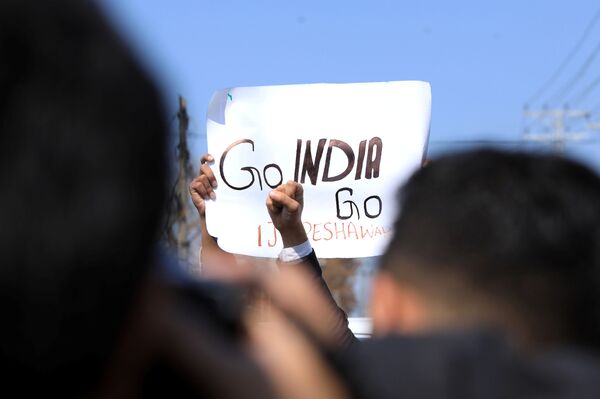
pixel 82 187
pixel 522 229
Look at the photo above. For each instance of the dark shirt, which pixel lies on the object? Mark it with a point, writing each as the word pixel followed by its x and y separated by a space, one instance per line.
pixel 462 364
pixel 466 365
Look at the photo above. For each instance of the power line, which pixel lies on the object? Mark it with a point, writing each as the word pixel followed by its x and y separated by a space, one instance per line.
pixel 566 89
pixel 567 59
pixel 587 90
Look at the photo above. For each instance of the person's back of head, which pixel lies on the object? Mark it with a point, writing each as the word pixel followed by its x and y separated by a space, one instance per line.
pixel 503 240
pixel 82 179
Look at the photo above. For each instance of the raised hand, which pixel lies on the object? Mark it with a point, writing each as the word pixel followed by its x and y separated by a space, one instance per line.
pixel 203 187
pixel 285 205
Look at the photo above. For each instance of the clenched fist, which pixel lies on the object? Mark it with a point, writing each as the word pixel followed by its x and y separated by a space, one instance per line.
pixel 285 205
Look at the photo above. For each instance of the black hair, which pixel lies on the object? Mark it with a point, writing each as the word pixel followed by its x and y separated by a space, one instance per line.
pixel 82 186
pixel 521 229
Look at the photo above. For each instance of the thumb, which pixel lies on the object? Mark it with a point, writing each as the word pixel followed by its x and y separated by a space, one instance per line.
pixel 280 199
pixel 299 195
pixel 272 206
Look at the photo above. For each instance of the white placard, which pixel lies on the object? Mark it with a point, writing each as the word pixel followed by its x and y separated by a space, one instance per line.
pixel 350 145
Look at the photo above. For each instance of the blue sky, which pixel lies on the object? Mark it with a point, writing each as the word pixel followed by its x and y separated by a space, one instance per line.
pixel 484 59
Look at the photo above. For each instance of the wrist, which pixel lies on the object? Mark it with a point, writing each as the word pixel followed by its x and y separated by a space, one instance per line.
pixel 293 236
pixel 201 211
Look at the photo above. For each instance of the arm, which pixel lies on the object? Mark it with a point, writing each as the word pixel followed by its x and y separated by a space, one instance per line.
pixel 339 319
pixel 285 205
pixel 202 189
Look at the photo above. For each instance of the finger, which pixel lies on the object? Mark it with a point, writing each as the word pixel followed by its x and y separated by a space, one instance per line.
pixel 299 193
pixel 197 198
pixel 210 193
pixel 196 187
pixel 291 188
pixel 271 206
pixel 206 170
pixel 199 186
pixel 282 188
pixel 281 199
pixel 206 158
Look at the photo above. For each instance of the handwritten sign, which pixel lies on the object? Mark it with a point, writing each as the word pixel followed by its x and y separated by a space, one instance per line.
pixel 350 145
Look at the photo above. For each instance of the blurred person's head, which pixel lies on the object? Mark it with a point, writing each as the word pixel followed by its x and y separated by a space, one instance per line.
pixel 496 239
pixel 82 178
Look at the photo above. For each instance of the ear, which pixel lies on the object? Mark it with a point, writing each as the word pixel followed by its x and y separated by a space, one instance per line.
pixel 396 307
